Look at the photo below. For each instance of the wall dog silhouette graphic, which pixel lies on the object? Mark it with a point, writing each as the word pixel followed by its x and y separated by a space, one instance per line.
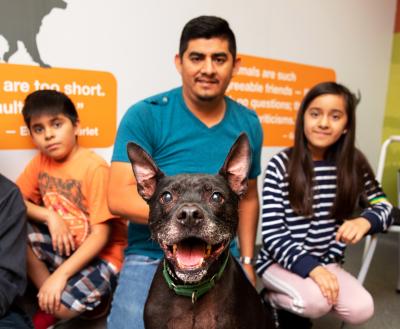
pixel 20 20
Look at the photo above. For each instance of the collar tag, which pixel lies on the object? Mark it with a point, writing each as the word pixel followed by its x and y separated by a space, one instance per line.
pixel 194 297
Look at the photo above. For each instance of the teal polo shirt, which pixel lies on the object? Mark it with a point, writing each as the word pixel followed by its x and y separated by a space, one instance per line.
pixel 180 143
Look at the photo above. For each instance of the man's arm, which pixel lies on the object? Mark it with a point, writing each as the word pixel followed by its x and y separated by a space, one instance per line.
pixel 123 198
pixel 12 246
pixel 247 229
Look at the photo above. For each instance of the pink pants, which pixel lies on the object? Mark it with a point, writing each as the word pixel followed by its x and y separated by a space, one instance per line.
pixel 302 296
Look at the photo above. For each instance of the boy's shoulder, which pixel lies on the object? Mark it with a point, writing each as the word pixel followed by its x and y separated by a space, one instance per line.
pixel 90 157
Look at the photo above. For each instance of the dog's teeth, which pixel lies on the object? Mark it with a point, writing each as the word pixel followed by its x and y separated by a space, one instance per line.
pixel 174 248
pixel 208 251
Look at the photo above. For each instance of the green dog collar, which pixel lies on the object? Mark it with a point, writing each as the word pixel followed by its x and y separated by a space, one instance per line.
pixel 196 290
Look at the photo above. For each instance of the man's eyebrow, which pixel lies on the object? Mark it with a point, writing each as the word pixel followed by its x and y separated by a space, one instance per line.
pixel 196 53
pixel 220 54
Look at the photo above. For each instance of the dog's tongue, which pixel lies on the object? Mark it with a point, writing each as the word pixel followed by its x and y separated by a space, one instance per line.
pixel 190 255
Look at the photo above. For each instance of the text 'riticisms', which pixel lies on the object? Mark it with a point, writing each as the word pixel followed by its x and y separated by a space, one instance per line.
pixel 274 89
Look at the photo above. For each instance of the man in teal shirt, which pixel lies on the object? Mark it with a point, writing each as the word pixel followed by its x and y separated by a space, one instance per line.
pixel 186 130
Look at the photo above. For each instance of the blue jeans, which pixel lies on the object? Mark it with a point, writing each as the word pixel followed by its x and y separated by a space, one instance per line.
pixel 131 293
pixel 15 319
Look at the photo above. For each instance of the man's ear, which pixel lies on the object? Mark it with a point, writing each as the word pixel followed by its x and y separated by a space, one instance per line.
pixel 178 63
pixel 145 170
pixel 236 65
pixel 237 165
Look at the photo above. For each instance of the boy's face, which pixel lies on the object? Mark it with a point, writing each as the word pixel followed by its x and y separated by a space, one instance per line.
pixel 54 135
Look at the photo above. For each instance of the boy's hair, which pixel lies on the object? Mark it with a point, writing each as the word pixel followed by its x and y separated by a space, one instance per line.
pixel 207 27
pixel 351 164
pixel 48 102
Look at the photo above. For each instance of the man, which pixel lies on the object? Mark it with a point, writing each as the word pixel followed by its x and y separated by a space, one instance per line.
pixel 12 255
pixel 186 130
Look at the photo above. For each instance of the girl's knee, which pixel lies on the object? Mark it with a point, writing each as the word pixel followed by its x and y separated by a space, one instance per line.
pixel 313 306
pixel 361 311
pixel 316 309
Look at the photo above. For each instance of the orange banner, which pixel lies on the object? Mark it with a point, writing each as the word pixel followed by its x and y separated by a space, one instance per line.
pixel 93 93
pixel 274 89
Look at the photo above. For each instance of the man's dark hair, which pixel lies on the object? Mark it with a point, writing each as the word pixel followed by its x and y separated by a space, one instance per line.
pixel 50 102
pixel 207 27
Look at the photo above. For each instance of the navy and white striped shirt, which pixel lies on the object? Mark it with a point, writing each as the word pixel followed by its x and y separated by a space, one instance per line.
pixel 300 243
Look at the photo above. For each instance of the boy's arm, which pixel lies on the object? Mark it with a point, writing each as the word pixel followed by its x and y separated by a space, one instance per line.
pixel 123 197
pixel 247 229
pixel 62 239
pixel 50 293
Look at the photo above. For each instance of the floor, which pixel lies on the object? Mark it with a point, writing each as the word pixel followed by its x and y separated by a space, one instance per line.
pixel 381 282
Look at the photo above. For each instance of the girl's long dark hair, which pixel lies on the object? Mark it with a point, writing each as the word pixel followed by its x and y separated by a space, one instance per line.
pixel 351 164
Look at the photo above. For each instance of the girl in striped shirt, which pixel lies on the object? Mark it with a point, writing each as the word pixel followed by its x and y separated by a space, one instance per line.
pixel 319 196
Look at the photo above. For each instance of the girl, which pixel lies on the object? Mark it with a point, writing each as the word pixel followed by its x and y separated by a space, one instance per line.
pixel 310 196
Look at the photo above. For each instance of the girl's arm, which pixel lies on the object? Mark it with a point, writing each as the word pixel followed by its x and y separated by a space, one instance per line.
pixel 378 213
pixel 374 219
pixel 276 236
pixel 50 293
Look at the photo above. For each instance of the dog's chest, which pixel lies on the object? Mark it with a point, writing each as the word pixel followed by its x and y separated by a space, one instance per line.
pixel 164 309
pixel 204 314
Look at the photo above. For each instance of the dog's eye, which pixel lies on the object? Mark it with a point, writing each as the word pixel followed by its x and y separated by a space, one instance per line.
pixel 166 197
pixel 217 197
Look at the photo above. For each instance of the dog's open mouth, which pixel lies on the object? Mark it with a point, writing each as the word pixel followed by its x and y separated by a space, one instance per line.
pixel 192 253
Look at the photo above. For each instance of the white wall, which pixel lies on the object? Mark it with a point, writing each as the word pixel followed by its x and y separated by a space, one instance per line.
pixel 136 41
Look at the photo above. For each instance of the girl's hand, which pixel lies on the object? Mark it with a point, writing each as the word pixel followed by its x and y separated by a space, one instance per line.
pixel 49 295
pixel 353 230
pixel 62 239
pixel 327 283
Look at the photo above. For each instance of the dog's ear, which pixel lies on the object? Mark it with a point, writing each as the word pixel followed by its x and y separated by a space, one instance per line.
pixel 146 172
pixel 237 165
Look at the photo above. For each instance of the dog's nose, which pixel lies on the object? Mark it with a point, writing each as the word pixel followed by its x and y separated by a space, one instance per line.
pixel 189 215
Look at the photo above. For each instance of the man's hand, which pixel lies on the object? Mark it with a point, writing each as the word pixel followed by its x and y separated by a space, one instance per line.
pixel 251 274
pixel 327 283
pixel 61 237
pixel 49 295
pixel 353 230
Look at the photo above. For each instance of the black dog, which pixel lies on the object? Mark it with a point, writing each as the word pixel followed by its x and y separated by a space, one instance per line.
pixel 193 218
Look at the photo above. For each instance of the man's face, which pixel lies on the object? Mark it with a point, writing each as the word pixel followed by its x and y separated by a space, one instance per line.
pixel 206 68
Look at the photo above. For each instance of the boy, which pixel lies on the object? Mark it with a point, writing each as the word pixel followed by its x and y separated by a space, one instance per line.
pixel 75 244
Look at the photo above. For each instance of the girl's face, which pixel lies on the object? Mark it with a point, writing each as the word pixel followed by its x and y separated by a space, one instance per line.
pixel 325 120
